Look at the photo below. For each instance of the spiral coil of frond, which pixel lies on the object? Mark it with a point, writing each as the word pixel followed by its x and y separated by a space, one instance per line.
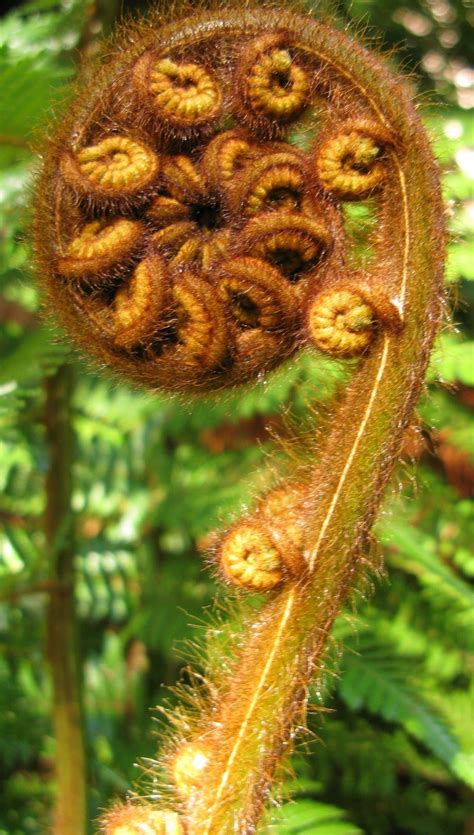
pixel 145 196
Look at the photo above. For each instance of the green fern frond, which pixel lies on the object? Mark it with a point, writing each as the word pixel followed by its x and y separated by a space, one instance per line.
pixel 379 681
pixel 415 554
pixel 311 817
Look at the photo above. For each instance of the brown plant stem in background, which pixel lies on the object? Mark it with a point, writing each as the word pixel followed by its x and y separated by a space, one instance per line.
pixel 70 812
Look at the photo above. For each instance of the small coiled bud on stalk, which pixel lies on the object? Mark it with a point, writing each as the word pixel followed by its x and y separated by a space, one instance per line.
pixel 141 820
pixel 341 323
pixel 343 320
pixel 283 509
pixel 248 558
pixel 263 551
pixel 187 767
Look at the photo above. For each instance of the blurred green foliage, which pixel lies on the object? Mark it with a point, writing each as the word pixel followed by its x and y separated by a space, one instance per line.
pixel 153 475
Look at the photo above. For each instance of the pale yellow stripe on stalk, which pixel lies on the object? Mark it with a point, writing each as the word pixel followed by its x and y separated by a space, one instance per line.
pixel 245 723
pixel 368 412
pixel 406 218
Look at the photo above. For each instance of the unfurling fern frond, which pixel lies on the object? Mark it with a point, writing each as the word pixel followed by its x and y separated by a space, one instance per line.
pixel 189 244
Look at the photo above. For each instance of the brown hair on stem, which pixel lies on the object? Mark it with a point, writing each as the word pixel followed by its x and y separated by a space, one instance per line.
pixel 187 242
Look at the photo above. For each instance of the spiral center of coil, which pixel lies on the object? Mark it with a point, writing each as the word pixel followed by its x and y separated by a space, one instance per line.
pixel 208 216
pixel 280 81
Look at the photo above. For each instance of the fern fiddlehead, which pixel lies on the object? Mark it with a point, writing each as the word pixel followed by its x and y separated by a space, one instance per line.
pixel 189 243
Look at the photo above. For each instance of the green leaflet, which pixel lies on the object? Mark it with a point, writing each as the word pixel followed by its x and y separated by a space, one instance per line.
pixel 454 361
pixel 311 817
pixel 35 355
pixel 379 681
pixel 29 86
pixel 415 555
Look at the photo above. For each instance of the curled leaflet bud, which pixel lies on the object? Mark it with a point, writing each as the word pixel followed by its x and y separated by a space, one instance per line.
pixel 248 558
pixel 350 163
pixel 342 321
pixel 189 217
pixel 225 157
pixel 188 766
pixel 259 553
pixel 166 210
pixel 117 168
pixel 273 87
pixel 141 820
pixel 99 247
pixel 290 241
pixel 274 181
pixel 140 303
pixel 199 334
pixel 256 293
pixel 183 180
pixel 182 98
